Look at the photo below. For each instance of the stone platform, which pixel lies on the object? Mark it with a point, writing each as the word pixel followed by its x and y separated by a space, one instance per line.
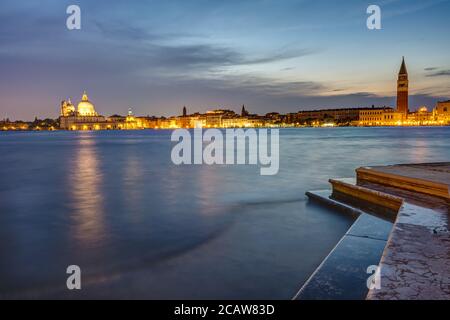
pixel 415 262
pixel 432 179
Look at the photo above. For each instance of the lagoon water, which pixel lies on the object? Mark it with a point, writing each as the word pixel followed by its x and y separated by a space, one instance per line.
pixel 140 227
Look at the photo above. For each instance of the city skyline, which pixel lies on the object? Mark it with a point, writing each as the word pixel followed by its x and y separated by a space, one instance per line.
pixel 84 116
pixel 158 57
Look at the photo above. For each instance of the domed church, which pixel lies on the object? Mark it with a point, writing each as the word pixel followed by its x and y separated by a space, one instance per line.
pixel 83 118
pixel 85 107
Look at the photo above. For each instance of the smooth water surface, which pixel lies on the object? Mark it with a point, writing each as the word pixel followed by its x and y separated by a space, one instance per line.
pixel 140 227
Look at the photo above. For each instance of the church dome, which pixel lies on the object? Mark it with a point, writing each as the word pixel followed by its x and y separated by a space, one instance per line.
pixel 85 107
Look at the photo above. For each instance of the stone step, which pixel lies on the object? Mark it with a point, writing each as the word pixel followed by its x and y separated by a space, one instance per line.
pixel 412 180
pixel 415 262
pixel 348 191
pixel 343 273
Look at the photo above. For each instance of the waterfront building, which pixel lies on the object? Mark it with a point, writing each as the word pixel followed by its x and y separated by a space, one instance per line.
pixel 67 108
pixel 85 117
pixel 184 121
pixel 85 108
pixel 392 118
pixel 442 112
pixel 233 122
pixel 421 117
pixel 6 125
pixel 344 115
pixel 275 117
pixel 214 117
pixel 255 121
pixel 377 116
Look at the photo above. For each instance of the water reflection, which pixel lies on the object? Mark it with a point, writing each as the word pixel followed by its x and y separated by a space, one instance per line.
pixel 132 183
pixel 420 152
pixel 141 227
pixel 87 200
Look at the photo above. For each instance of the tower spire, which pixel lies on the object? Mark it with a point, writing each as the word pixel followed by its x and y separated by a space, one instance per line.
pixel 85 96
pixel 403 67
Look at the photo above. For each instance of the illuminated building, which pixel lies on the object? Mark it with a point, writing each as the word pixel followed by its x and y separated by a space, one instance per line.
pixel 85 107
pixel 393 118
pixel 344 115
pixel 67 108
pixel 375 116
pixel 83 118
pixel 6 125
pixel 442 112
pixel 421 117
pixel 214 117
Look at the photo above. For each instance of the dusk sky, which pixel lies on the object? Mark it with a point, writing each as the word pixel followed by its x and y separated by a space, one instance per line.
pixel 271 55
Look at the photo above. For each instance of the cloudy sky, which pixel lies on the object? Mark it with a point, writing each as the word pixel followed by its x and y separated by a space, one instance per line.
pixel 271 55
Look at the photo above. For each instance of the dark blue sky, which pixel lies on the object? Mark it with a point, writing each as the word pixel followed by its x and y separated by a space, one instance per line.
pixel 271 55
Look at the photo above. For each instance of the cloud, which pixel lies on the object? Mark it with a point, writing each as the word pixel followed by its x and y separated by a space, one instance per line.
pixel 441 73
pixel 125 47
pixel 155 50
pixel 255 85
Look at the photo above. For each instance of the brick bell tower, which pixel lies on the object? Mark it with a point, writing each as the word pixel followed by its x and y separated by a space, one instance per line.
pixel 402 89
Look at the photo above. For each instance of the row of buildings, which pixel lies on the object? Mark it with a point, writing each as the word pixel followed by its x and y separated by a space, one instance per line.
pixel 85 116
pixel 440 115
pixel 36 124
pixel 385 116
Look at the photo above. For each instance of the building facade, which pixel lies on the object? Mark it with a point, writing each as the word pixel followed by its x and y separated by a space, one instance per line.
pixel 84 117
pixel 442 112
pixel 376 116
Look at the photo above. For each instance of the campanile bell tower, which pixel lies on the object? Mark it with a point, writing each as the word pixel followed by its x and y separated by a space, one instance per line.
pixel 402 89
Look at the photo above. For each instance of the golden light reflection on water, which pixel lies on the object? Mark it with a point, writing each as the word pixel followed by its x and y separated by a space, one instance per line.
pixel 209 180
pixel 420 151
pixel 86 179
